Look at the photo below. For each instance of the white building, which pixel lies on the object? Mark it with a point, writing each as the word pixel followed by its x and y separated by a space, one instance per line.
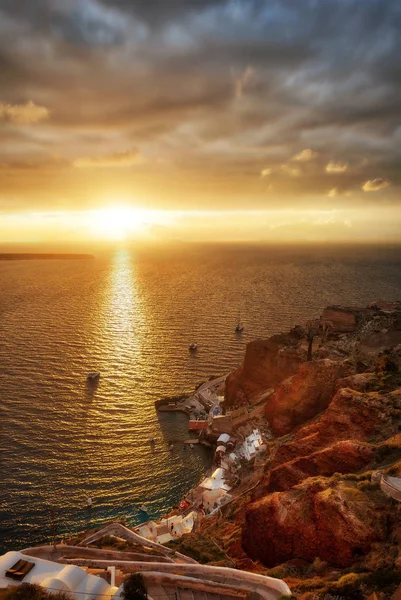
pixel 167 529
pixel 213 499
pixel 217 480
pixel 56 577
pixel 252 445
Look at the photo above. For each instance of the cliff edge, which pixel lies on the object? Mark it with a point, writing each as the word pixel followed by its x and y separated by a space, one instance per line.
pixel 330 392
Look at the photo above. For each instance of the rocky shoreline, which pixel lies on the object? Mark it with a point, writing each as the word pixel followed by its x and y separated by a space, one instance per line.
pixel 317 516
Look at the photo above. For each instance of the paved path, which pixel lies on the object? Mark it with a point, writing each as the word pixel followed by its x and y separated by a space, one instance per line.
pixel 123 532
pixel 62 551
pixel 195 577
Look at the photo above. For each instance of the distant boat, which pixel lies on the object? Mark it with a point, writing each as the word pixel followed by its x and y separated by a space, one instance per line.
pixel 239 327
pixel 143 509
pixel 94 376
pixel 193 347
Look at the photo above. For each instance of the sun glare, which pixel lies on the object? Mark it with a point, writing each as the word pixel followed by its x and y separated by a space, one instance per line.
pixel 118 223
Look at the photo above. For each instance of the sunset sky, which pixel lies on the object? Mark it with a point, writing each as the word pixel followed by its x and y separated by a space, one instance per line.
pixel 200 119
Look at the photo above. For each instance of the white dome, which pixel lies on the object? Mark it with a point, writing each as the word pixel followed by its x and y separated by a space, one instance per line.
pixel 53 584
pixel 72 576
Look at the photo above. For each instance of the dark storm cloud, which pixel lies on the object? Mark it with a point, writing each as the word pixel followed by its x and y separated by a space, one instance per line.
pixel 218 88
pixel 160 12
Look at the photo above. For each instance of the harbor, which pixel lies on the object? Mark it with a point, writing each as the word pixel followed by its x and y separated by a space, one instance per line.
pixel 235 448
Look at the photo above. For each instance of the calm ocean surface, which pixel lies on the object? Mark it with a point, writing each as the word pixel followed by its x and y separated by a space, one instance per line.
pixel 131 315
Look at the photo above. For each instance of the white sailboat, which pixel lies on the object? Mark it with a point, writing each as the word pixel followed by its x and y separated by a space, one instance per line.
pixel 239 327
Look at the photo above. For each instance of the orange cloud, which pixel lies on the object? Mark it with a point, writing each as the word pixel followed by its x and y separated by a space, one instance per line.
pixel 291 171
pixel 118 159
pixel 23 114
pixel 305 155
pixel 373 185
pixel 336 167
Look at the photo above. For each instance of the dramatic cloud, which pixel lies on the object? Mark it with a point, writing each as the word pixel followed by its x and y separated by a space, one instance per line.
pixel 230 101
pixel 333 193
pixel 23 114
pixel 120 159
pixel 305 155
pixel 373 185
pixel 336 167
pixel 292 171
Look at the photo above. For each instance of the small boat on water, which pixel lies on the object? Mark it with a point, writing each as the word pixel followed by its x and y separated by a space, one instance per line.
pixel 143 509
pixel 239 327
pixel 193 347
pixel 93 376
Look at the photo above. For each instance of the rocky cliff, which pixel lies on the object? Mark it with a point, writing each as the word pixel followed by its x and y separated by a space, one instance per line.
pixel 329 519
pixel 266 363
pixel 315 516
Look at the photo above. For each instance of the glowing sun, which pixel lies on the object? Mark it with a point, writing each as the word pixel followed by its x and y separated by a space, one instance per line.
pixel 118 223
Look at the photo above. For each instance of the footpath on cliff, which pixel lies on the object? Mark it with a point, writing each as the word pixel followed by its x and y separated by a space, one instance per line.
pixel 320 514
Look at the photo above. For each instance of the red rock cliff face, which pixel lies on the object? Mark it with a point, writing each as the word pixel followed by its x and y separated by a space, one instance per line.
pixel 331 519
pixel 342 457
pixel 266 363
pixel 351 415
pixel 335 522
pixel 302 396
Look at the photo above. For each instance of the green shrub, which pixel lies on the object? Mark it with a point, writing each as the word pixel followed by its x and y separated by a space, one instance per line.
pixel 367 485
pixel 199 547
pixel 134 588
pixel 309 585
pixel 121 546
pixel 347 587
pixel 386 364
pixel 33 591
pixel 26 591
pixel 382 578
pixel 107 540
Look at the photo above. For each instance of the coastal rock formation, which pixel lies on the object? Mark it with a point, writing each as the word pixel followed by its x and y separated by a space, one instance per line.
pixel 360 382
pixel 344 319
pixel 302 396
pixel 351 415
pixel 342 457
pixel 327 518
pixel 356 415
pixel 334 521
pixel 266 363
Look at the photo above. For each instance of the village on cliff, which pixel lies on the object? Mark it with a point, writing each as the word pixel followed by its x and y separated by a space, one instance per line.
pixel 302 498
